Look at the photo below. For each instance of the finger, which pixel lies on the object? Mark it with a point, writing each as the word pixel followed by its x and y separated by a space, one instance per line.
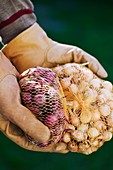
pixel 66 54
pixel 15 134
pixel 97 68
pixel 29 124
pixel 81 56
pixel 58 54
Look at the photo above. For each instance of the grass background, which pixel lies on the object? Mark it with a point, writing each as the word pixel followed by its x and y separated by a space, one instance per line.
pixel 89 25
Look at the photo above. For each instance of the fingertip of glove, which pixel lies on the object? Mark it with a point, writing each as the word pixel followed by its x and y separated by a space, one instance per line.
pixel 43 134
pixel 102 73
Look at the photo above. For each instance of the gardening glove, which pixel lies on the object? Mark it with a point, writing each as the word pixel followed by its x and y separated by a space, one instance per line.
pixel 33 48
pixel 15 119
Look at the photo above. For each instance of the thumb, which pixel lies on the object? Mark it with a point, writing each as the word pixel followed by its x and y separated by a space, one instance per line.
pixel 23 118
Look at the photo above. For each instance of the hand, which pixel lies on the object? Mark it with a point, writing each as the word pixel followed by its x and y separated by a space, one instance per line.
pixel 15 119
pixel 10 105
pixel 33 48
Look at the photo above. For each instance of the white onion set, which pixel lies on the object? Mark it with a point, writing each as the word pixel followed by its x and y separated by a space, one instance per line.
pixel 90 108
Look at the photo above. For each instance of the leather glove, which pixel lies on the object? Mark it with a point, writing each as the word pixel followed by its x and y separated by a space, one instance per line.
pixel 15 119
pixel 33 48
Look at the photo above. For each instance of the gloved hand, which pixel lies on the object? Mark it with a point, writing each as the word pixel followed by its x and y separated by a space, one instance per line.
pixel 14 116
pixel 33 48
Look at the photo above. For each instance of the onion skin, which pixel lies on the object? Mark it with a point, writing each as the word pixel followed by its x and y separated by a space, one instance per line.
pixel 42 94
pixel 90 107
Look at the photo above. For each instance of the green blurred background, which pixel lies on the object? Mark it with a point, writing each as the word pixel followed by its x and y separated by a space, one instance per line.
pixel 89 25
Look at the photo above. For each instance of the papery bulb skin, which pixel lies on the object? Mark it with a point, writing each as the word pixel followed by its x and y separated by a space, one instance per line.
pixel 42 94
pixel 89 102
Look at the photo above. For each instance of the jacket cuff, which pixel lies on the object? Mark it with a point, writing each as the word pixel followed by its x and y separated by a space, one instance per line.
pixel 15 17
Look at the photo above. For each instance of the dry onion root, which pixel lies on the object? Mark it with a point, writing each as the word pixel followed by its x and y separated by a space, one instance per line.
pixel 90 108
